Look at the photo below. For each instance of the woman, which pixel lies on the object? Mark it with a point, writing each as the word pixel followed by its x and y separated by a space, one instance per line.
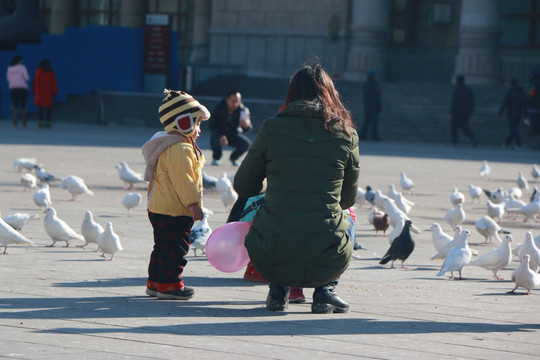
pixel 44 88
pixel 308 154
pixel 17 77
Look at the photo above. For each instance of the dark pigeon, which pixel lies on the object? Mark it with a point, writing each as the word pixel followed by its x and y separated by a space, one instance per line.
pixel 370 195
pixel 381 223
pixel 401 247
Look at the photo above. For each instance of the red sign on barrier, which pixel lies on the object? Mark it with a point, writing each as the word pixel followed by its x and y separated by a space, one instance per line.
pixel 156 44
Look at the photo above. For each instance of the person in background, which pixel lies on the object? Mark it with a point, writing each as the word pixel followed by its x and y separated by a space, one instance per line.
pixel 515 105
pixel 307 155
pixel 533 105
pixel 372 106
pixel 461 108
pixel 230 120
pixel 17 77
pixel 45 88
pixel 174 165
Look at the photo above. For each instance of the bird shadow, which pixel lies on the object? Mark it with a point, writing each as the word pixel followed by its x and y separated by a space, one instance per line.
pixel 109 216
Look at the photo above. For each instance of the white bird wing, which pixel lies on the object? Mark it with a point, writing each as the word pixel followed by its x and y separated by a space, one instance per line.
pixel 109 242
pixel 132 200
pixel 59 230
pixel 495 259
pixel 8 235
pixel 90 230
pixel 456 259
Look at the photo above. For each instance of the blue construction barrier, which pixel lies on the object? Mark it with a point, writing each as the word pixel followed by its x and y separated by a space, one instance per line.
pixel 88 59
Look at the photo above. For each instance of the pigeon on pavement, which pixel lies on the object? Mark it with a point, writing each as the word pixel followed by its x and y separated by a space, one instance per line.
pixel 57 229
pixel 535 172
pixel 455 216
pixel 456 197
pixel 24 163
pixel 109 241
pixel 522 183
pixel 529 247
pixel 128 176
pixel 28 181
pixel 398 228
pixel 439 237
pixel 228 198
pixel 496 259
pixel 42 197
pixel 406 183
pixel 131 201
pixel 209 182
pixel 43 175
pixel 18 220
pixel 403 203
pixel 90 229
pixel 8 235
pixel 401 248
pixel 223 183
pixel 485 169
pixel 458 256
pixel 381 223
pixel 524 277
pixel 495 211
pixel 76 186
pixel 475 192
pixel 488 228
pixel 531 210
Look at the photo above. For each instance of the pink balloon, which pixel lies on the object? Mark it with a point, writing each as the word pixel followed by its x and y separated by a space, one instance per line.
pixel 225 247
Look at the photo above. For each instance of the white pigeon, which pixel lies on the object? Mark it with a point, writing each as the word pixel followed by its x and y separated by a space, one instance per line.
pixel 457 197
pixel 535 172
pixel 455 216
pixel 223 183
pixel 360 196
pixel 458 256
pixel 496 196
pixel 131 201
pixel 28 181
pixel 396 231
pixel 43 175
pixel 76 186
pixel 511 203
pixel 446 248
pixel 488 228
pixel 529 247
pixel 524 277
pixel 200 232
pixel 514 193
pixel 403 203
pixel 485 169
pixel 109 241
pixel 475 192
pixel 515 251
pixel 496 259
pixel 522 183
pixel 495 210
pixel 90 229
pixel 371 214
pixel 395 214
pixel 57 229
pixel 378 198
pixel 530 210
pixel 228 198
pixel 209 182
pixel 439 237
pixel 18 220
pixel 406 183
pixel 42 197
pixel 392 192
pixel 128 176
pixel 8 235
pixel 24 163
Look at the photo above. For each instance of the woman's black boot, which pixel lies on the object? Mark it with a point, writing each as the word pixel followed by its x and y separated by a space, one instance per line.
pixel 326 300
pixel 278 297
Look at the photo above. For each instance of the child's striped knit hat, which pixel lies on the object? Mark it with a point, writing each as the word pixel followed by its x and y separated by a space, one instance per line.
pixel 180 111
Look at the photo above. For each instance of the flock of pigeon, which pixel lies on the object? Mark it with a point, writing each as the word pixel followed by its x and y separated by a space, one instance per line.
pixel 106 239
pixel 393 208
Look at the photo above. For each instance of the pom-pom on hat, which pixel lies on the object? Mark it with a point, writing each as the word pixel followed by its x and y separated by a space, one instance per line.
pixel 181 112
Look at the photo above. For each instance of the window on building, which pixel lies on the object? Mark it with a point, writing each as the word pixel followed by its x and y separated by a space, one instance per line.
pixel 99 12
pixel 403 18
pixel 520 26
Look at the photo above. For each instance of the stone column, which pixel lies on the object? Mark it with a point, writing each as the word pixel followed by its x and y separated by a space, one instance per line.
pixel 201 36
pixel 132 13
pixel 63 14
pixel 369 38
pixel 479 58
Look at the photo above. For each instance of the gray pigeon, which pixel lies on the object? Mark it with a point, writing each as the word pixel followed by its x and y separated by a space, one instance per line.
pixel 209 182
pixel 401 248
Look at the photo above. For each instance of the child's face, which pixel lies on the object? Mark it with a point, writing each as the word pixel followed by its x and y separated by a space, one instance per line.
pixel 197 131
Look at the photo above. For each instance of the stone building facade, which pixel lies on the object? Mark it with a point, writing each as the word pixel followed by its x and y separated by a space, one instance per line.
pixel 488 41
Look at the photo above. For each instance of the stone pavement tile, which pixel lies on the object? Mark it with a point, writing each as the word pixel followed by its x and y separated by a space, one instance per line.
pixel 64 302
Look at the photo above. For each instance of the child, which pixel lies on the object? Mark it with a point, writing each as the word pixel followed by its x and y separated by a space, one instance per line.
pixel 44 88
pixel 174 170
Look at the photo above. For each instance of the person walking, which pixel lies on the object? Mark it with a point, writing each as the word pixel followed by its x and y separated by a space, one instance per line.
pixel 307 156
pixel 515 105
pixel 17 77
pixel 462 106
pixel 230 120
pixel 45 88
pixel 533 105
pixel 372 107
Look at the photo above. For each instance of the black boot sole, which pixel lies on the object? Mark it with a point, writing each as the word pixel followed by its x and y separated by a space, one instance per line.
pixel 323 308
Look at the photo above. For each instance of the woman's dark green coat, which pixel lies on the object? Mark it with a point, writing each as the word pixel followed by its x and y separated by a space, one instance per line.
pixel 298 237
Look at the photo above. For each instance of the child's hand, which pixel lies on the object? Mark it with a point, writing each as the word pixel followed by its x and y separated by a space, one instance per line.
pixel 196 212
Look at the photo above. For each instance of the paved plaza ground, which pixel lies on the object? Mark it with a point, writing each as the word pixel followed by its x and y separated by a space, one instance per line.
pixel 66 303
